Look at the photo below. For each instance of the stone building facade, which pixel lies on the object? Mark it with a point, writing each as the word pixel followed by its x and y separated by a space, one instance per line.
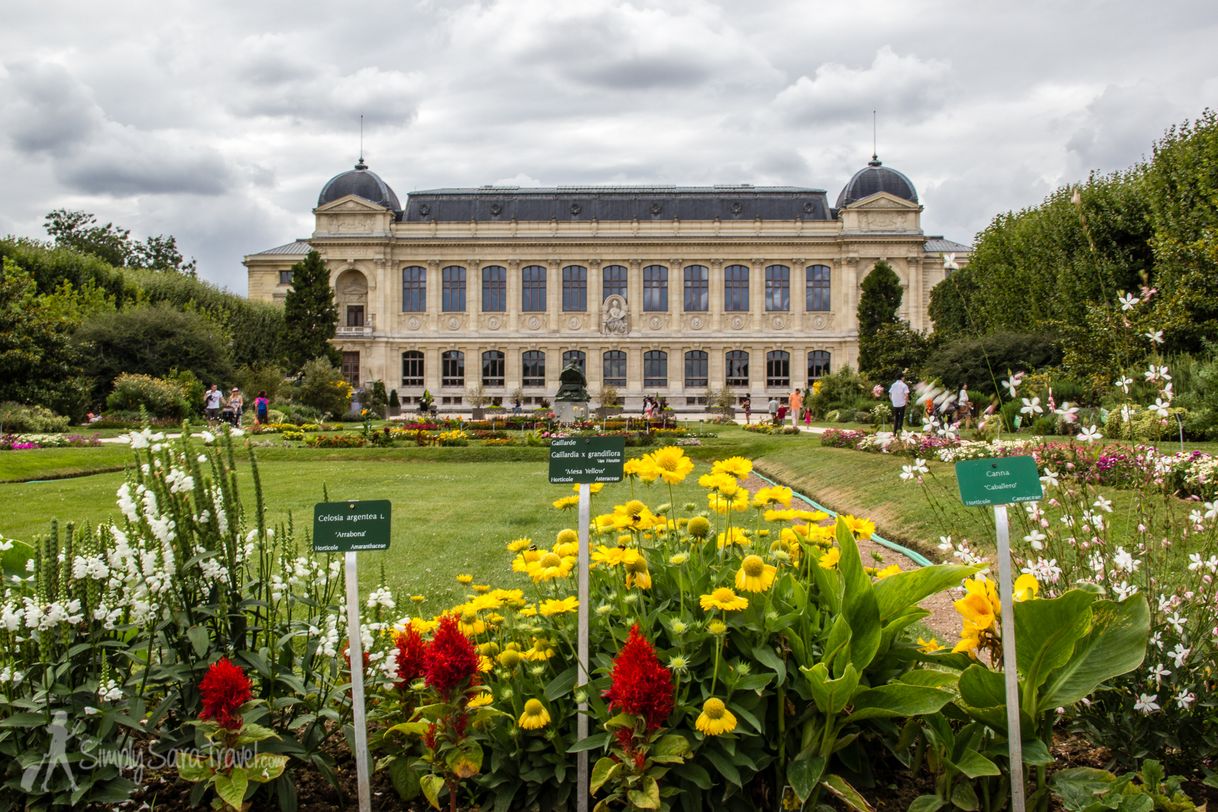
pixel 654 290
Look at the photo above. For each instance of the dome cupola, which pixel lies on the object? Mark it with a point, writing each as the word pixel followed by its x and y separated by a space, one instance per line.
pixel 361 182
pixel 873 178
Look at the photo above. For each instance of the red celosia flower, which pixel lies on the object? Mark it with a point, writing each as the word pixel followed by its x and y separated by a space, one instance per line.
pixel 411 651
pixel 224 689
pixel 450 660
pixel 641 685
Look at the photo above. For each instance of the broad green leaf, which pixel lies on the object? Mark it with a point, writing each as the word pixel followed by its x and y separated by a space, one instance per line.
pixel 1036 753
pixel 828 585
pixel 932 678
pixel 696 775
pixel 432 786
pixel 193 768
pixel 1046 632
pixel 803 774
pixel 898 699
pixel 200 639
pixel 975 765
pixel 965 797
pixel 597 741
pixel 847 794
pixel 723 763
pixel 606 769
pixel 831 695
pixel 231 788
pixel 673 744
pixel 765 654
pixel 404 779
pixel 563 684
pixel 411 728
pixel 267 767
pixel 465 760
pixel 1115 645
pixel 13 560
pixel 926 803
pixel 837 644
pixel 897 593
pixel 647 796
pixel 251 733
pixel 1078 787
pixel 860 606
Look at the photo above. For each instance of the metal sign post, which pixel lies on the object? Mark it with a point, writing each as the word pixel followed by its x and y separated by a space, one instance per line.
pixel 582 677
pixel 1000 482
pixel 351 527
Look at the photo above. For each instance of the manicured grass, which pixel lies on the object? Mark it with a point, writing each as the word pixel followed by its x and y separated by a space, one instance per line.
pixel 55 463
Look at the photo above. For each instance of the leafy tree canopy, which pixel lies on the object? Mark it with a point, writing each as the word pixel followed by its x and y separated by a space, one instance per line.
pixel 80 231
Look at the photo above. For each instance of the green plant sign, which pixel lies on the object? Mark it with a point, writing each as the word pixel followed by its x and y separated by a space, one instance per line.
pixel 587 459
pixel 998 481
pixel 343 527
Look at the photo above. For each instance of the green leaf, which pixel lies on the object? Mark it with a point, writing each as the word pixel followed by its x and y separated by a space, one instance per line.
pixel 606 769
pixel 251 732
pixel 193 768
pixel 432 786
pixel 646 796
pixel 597 741
pixel 765 654
pixel 673 744
pixel 982 688
pixel 231 788
pixel 831 695
pixel 1036 753
pixel 847 794
pixel 897 593
pixel 926 803
pixel 860 606
pixel 404 779
pixel 803 774
pixel 465 760
pixel 200 640
pixel 696 775
pixel 975 765
pixel 897 699
pixel 13 560
pixel 1115 645
pixel 266 767
pixel 965 797
pixel 411 728
pixel 1046 632
pixel 723 764
pixel 562 685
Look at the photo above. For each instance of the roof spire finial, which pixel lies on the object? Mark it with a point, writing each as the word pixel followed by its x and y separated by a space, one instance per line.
pixel 361 164
pixel 875 156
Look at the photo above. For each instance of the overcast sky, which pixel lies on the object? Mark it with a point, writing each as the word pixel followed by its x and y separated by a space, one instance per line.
pixel 219 122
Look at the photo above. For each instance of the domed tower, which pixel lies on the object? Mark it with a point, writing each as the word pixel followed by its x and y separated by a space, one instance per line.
pixel 873 178
pixel 361 182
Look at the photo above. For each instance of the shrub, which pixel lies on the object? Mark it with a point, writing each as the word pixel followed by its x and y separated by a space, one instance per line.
pixel 15 417
pixel 842 390
pixel 323 388
pixel 157 396
pixel 983 362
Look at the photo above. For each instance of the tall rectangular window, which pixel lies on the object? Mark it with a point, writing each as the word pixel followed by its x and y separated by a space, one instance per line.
pixel 655 288
pixel 655 369
pixel 696 363
pixel 576 357
pixel 452 289
pixel 818 364
pixel 414 289
pixel 412 368
pixel 697 289
pixel 533 289
pixel 818 288
pixel 285 277
pixel 533 368
pixel 777 368
pixel 736 368
pixel 613 281
pixel 777 288
pixel 614 368
pixel 575 289
pixel 452 368
pixel 350 367
pixel 736 288
pixel 494 289
pixel 492 368
pixel 355 315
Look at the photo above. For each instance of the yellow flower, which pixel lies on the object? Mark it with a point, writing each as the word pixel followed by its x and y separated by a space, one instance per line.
pixel 535 715
pixel 482 588
pixel 1026 587
pixel 725 599
pixel 565 502
pixel 470 624
pixel 637 573
pixel 465 578
pixel 540 651
pixel 485 664
pixel 509 658
pixel 565 548
pixel 738 467
pixel 733 535
pixel 595 487
pixel 417 598
pixel 549 608
pixel 929 646
pixel 526 559
pixel 424 627
pixel 970 641
pixel 698 527
pixel 811 515
pixel 567 536
pixel 862 528
pixel 890 570
pixel 829 560
pixel 636 514
pixel 550 565
pixel 754 574
pixel 480 699
pixel 715 718
pixel 980 605
pixel 672 464
pixel 723 505
pixel 516 545
pixel 608 556
pixel 716 627
pixel 642 467
pixel 508 597
pixel 772 495
pixel 677 559
pixel 779 515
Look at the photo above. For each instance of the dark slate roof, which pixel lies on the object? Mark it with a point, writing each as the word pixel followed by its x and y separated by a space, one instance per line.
pixel 361 182
pixel 300 247
pixel 873 178
pixel 939 245
pixel 585 203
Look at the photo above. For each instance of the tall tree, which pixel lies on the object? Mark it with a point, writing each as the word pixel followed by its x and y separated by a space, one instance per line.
pixel 879 300
pixel 310 314
pixel 79 231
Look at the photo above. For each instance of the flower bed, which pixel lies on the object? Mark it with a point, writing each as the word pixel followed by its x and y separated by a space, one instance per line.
pixel 24 442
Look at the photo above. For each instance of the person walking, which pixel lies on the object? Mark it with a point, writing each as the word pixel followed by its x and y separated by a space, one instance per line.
pixel 236 406
pixel 773 407
pixel 964 407
pixel 211 403
pixel 262 407
pixel 898 395
pixel 747 405
pixel 796 401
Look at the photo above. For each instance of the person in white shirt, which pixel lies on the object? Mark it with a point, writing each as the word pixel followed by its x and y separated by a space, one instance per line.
pixel 898 394
pixel 964 409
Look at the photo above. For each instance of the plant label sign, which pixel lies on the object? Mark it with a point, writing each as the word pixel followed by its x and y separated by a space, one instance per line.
pixel 351 527
pixel 998 481
pixel 587 459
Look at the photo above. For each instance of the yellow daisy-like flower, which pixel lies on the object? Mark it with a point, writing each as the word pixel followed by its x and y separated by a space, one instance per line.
pixel 641 467
pixel 550 565
pixel 754 574
pixel 465 578
pixel 637 573
pixel 715 718
pixel 540 651
pixel 567 536
pixel 490 648
pixel 424 627
pixel 595 487
pixel 717 481
pixel 526 559
pixel 970 641
pixel 566 548
pixel 549 608
pixel 733 535
pixel 480 699
pixel 829 560
pixel 608 556
pixel 417 598
pixel 779 515
pixel 773 495
pixel 811 515
pixel 482 588
pixel 509 658
pixel 485 664
pixel 716 627
pixel 929 646
pixel 508 597
pixel 892 569
pixel 672 464
pixel 470 624
pixel 677 559
pixel 698 527
pixel 481 603
pixel 724 505
pixel 565 502
pixel 516 545
pixel 738 467
pixel 790 549
pixel 637 515
pixel 862 528
pixel 535 715
pixel 528 611
pixel 725 599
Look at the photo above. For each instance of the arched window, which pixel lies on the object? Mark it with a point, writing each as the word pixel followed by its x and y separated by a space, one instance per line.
pixel 655 288
pixel 655 369
pixel 697 289
pixel 575 289
pixel 736 368
pixel 736 288
pixel 494 289
pixel 452 368
pixel 412 368
pixel 777 288
pixel 613 281
pixel 614 369
pixel 696 363
pixel 533 368
pixel 777 368
pixel 452 289
pixel 576 357
pixel 818 364
pixel 492 368
pixel 818 288
pixel 533 289
pixel 414 289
